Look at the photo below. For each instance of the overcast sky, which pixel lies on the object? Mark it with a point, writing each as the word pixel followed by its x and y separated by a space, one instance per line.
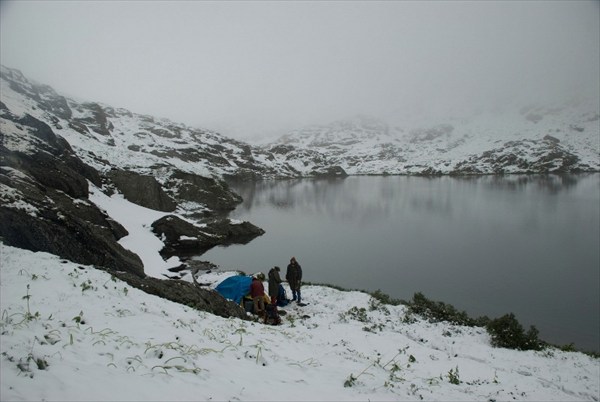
pixel 251 68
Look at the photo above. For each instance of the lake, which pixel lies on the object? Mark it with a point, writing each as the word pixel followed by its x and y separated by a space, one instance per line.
pixel 489 245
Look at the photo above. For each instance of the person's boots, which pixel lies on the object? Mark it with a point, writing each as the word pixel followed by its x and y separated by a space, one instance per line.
pixel 293 295
pixel 299 297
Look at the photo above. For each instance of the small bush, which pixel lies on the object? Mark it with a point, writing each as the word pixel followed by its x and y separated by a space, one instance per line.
pixel 385 298
pixel 507 332
pixel 355 313
pixel 454 377
pixel 438 311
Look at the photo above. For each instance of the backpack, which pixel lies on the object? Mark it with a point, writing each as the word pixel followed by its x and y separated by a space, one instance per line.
pixel 272 315
pixel 282 299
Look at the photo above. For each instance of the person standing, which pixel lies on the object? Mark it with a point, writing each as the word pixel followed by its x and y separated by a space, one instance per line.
pixel 274 282
pixel 294 278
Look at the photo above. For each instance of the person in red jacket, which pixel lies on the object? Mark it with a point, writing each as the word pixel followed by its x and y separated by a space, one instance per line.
pixel 257 292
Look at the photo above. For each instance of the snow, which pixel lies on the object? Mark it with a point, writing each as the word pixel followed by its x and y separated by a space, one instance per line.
pixel 136 220
pixel 12 138
pixel 409 145
pixel 12 198
pixel 71 332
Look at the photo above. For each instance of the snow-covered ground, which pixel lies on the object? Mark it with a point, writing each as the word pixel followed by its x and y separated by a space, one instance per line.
pixel 71 332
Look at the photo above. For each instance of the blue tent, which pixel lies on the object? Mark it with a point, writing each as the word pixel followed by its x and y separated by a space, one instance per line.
pixel 235 287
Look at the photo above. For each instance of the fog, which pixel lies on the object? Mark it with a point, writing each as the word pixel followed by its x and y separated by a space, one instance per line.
pixel 254 69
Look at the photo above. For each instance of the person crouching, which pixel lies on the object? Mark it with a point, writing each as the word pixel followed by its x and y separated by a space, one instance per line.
pixel 257 292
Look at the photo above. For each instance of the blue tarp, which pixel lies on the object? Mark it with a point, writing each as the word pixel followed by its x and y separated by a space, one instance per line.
pixel 235 287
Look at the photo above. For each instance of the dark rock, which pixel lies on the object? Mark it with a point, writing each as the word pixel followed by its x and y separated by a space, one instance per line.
pixel 71 238
pixel 171 229
pixel 429 172
pixel 186 293
pixel 47 208
pixel 212 193
pixel 332 171
pixel 282 149
pixel 238 233
pixel 197 265
pixel 183 238
pixel 52 222
pixel 142 190
pixel 98 121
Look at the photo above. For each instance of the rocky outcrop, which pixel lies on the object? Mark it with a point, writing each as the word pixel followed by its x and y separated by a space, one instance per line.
pixel 527 156
pixel 97 121
pixel 44 199
pixel 213 194
pixel 142 190
pixel 333 171
pixel 186 293
pixel 184 238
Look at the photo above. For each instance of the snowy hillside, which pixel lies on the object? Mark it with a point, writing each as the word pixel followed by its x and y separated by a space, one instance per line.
pixel 518 140
pixel 105 137
pixel 72 332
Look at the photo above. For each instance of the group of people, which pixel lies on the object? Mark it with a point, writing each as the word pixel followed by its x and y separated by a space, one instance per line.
pixel 293 277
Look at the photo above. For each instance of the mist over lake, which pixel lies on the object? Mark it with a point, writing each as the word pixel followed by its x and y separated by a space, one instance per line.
pixel 489 245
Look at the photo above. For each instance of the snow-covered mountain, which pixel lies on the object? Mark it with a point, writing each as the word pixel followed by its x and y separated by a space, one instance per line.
pixel 533 139
pixel 105 137
pixel 563 138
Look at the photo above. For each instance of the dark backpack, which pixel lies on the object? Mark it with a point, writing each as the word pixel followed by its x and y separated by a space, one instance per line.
pixel 272 315
pixel 282 299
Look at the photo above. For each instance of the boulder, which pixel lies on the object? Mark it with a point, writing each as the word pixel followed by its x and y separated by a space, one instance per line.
pixel 182 238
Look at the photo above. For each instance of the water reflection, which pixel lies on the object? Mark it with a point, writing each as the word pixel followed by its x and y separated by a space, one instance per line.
pixel 378 197
pixel 487 244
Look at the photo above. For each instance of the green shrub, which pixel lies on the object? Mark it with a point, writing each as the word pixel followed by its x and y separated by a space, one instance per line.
pixel 385 298
pixel 438 311
pixel 507 332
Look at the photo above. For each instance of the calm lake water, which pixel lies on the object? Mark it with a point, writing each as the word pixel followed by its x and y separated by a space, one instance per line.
pixel 488 245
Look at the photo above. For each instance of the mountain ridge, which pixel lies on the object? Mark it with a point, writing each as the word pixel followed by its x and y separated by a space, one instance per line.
pixel 527 140
pixel 532 139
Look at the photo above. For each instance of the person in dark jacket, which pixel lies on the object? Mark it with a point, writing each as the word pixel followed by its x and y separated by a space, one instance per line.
pixel 294 278
pixel 274 282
